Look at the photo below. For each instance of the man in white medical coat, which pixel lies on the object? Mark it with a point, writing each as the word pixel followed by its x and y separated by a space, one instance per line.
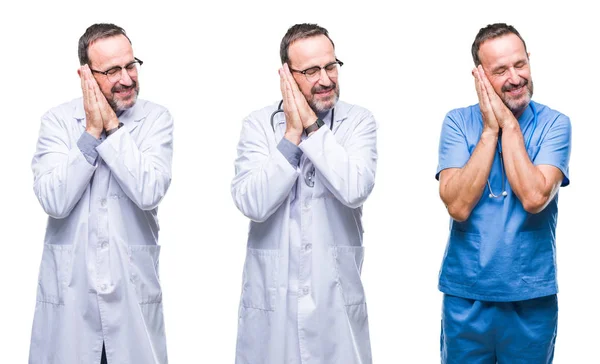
pixel 101 167
pixel 303 171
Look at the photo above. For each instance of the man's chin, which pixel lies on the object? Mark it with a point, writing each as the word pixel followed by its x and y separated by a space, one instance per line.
pixel 122 105
pixel 322 106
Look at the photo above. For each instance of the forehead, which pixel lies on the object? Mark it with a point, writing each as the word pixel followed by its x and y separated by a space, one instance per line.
pixel 110 51
pixel 501 50
pixel 312 51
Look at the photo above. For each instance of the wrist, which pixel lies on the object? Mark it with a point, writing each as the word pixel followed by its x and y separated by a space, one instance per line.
pixel 293 136
pixel 511 126
pixel 314 126
pixel 112 124
pixel 95 132
pixel 113 130
pixel 490 136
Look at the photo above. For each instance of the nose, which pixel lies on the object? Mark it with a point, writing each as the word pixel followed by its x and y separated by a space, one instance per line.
pixel 125 78
pixel 324 79
pixel 513 76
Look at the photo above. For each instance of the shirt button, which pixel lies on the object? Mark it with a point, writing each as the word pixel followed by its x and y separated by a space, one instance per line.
pixel 103 202
pixel 307 203
pixel 104 244
pixel 103 287
pixel 305 290
pixel 308 247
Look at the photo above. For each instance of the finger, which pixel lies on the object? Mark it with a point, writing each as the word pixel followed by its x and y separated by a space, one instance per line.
pixel 487 112
pixel 485 97
pixel 289 98
pixel 496 104
pixel 82 79
pixel 477 83
pixel 281 83
pixel 487 86
pixel 292 82
pixel 304 111
pixel 285 93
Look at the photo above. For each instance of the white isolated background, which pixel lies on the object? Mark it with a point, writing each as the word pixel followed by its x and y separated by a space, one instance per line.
pixel 213 63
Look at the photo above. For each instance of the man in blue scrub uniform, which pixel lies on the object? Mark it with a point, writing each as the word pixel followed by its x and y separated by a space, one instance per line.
pixel 501 163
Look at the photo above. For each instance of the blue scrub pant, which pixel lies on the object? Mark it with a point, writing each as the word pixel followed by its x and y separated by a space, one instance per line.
pixel 482 332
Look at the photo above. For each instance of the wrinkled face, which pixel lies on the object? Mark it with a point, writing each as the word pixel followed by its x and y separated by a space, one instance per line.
pixel 323 93
pixel 105 54
pixel 506 65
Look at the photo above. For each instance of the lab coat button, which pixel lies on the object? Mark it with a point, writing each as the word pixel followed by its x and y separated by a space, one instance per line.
pixel 103 287
pixel 103 202
pixel 308 247
pixel 305 290
pixel 104 244
pixel 309 179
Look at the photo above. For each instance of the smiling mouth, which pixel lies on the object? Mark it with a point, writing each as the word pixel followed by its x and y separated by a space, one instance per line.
pixel 125 91
pixel 324 92
pixel 517 91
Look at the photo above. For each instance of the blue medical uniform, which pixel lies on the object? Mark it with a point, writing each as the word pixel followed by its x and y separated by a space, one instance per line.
pixel 502 253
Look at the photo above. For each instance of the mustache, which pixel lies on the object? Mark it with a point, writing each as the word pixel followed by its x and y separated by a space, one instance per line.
pixel 320 88
pixel 119 88
pixel 511 87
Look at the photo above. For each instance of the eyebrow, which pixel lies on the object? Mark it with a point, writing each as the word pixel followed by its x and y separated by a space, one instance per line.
pixel 503 66
pixel 326 64
pixel 119 66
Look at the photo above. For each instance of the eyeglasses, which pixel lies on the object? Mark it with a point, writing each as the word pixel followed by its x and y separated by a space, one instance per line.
pixel 116 73
pixel 314 73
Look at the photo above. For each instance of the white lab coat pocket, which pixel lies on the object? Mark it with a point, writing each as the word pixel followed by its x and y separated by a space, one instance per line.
pixel 348 266
pixel 55 273
pixel 259 288
pixel 143 272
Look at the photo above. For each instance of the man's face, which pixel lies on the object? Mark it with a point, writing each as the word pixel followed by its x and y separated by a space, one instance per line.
pixel 323 93
pixel 105 54
pixel 506 65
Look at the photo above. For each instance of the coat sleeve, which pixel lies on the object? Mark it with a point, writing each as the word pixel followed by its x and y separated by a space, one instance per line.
pixel 61 172
pixel 263 176
pixel 349 169
pixel 142 170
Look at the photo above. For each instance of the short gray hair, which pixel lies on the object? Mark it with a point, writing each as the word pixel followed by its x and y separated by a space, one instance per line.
pixel 490 32
pixel 300 31
pixel 95 32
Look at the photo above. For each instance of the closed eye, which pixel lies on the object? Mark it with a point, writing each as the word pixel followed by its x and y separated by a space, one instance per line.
pixel 113 71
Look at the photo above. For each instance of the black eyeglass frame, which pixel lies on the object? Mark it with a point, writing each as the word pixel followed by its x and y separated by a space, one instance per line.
pixel 109 72
pixel 337 61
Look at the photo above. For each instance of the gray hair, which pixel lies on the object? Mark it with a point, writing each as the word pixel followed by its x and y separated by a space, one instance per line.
pixel 95 32
pixel 490 32
pixel 300 31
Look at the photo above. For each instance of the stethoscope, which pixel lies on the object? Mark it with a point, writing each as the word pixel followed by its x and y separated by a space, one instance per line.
pixel 280 109
pixel 504 193
pixel 309 178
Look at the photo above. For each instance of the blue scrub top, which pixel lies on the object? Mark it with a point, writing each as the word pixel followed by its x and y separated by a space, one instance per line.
pixel 502 252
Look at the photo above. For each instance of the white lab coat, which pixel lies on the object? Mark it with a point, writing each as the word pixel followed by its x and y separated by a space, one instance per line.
pixel 98 278
pixel 302 298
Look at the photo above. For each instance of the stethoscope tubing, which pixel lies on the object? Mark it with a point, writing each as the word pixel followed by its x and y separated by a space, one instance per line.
pixel 279 109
